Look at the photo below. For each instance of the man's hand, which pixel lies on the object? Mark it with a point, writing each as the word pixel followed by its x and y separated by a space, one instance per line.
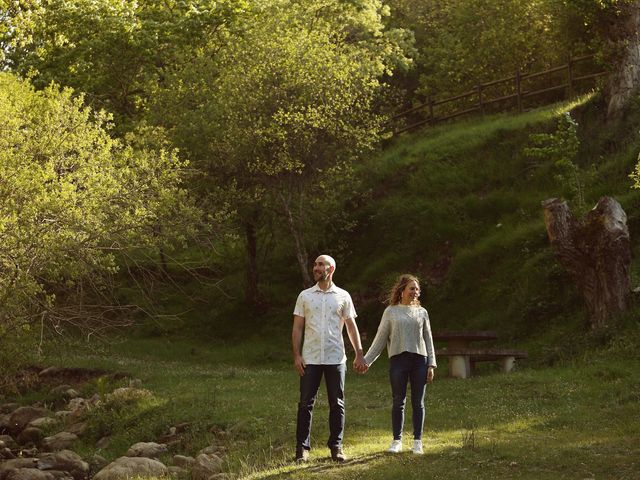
pixel 298 362
pixel 359 364
pixel 430 374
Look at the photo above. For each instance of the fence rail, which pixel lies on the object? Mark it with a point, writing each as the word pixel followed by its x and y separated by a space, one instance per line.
pixel 515 82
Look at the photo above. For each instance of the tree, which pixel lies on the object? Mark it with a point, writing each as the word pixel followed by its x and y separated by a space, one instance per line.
pixel 116 52
pixel 72 199
pixel 276 119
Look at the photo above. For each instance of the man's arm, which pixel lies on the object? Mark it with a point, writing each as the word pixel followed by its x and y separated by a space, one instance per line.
pixel 296 343
pixel 354 336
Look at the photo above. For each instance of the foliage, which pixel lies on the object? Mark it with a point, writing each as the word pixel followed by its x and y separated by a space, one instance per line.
pixel 561 147
pixel 73 199
pixel 286 108
pixel 114 51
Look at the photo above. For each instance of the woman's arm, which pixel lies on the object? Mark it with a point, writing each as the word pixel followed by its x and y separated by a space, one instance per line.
pixel 380 341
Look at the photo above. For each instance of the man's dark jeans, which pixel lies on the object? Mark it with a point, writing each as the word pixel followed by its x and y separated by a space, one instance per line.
pixel 309 385
pixel 407 367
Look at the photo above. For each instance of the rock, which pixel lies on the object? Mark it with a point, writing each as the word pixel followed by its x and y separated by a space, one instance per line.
pixel 103 442
pixel 62 414
pixel 17 463
pixel 177 471
pixel 43 422
pixel 59 441
pixel 50 372
pixel 182 461
pixel 78 428
pixel 9 407
pixel 5 423
pixel 35 474
pixel 97 462
pixel 60 389
pixel 67 461
pixel 146 449
pixel 30 436
pixel 128 467
pixel 8 441
pixel 77 404
pixel 205 466
pixel 21 417
pixel 28 452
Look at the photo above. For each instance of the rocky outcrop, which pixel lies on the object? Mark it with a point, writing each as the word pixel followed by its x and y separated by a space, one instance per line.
pixel 128 467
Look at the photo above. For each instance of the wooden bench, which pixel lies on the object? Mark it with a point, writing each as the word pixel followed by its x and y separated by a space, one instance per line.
pixel 462 360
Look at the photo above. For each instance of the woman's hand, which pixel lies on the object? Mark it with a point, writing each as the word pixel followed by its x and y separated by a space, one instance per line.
pixel 430 372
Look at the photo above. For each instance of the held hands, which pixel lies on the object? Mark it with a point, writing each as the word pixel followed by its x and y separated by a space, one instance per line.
pixel 359 364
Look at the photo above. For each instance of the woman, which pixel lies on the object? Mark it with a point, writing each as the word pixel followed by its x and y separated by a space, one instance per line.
pixel 406 332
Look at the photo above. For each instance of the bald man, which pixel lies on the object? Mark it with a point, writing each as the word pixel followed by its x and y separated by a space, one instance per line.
pixel 320 314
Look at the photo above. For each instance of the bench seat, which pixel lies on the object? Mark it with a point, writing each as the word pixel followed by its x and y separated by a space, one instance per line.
pixel 462 360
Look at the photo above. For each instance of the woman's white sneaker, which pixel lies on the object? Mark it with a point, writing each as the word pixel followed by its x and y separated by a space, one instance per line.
pixel 417 447
pixel 395 447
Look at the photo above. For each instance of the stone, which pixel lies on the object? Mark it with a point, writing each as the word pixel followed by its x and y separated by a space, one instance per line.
pixel 176 471
pixel 146 449
pixel 60 389
pixel 103 442
pixel 67 461
pixel 59 441
pixel 205 466
pixel 6 454
pixel 43 422
pixel 30 436
pixel 9 407
pixel 78 428
pixel 21 417
pixel 5 423
pixel 17 463
pixel 8 441
pixel 97 462
pixel 127 467
pixel 76 404
pixel 35 474
pixel 182 461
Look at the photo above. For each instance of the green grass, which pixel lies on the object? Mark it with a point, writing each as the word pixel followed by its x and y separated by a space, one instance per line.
pixel 572 421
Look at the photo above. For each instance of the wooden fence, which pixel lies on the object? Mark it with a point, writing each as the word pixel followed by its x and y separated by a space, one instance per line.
pixel 478 97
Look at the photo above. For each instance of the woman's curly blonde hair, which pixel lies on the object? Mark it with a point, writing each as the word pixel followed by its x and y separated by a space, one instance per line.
pixel 395 295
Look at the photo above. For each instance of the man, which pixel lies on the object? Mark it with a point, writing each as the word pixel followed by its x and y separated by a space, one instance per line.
pixel 320 314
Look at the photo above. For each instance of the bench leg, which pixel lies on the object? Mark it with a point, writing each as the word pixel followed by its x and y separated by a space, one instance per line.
pixel 458 366
pixel 508 363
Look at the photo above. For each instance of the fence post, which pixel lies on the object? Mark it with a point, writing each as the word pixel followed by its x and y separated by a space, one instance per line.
pixel 570 73
pixel 480 106
pixel 518 91
pixel 431 119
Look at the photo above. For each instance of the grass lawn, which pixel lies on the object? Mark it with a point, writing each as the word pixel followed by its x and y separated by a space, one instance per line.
pixel 575 421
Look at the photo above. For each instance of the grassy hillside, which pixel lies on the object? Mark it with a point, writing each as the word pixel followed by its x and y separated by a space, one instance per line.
pixel 460 205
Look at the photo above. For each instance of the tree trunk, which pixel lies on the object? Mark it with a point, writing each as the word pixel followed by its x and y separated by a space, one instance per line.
pixel 252 289
pixel 624 82
pixel 301 251
pixel 596 252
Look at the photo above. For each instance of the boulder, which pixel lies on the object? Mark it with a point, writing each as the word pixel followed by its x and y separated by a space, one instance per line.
pixel 146 449
pixel 21 417
pixel 8 407
pixel 78 428
pixel 128 467
pixel 18 463
pixel 103 442
pixel 77 404
pixel 5 423
pixel 205 466
pixel 35 474
pixel 182 461
pixel 8 441
pixel 97 462
pixel 67 461
pixel 176 471
pixel 59 441
pixel 30 436
pixel 43 422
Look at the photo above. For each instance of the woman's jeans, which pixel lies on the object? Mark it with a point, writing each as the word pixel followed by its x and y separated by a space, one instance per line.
pixel 309 385
pixel 407 367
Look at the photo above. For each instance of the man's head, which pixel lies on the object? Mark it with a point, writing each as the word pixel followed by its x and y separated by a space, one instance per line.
pixel 323 268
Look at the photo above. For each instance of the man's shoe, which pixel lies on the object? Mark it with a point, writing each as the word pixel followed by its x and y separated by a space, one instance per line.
pixel 302 455
pixel 395 447
pixel 337 455
pixel 417 447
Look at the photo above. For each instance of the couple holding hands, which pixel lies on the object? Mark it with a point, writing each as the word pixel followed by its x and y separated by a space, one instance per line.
pixel 319 316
